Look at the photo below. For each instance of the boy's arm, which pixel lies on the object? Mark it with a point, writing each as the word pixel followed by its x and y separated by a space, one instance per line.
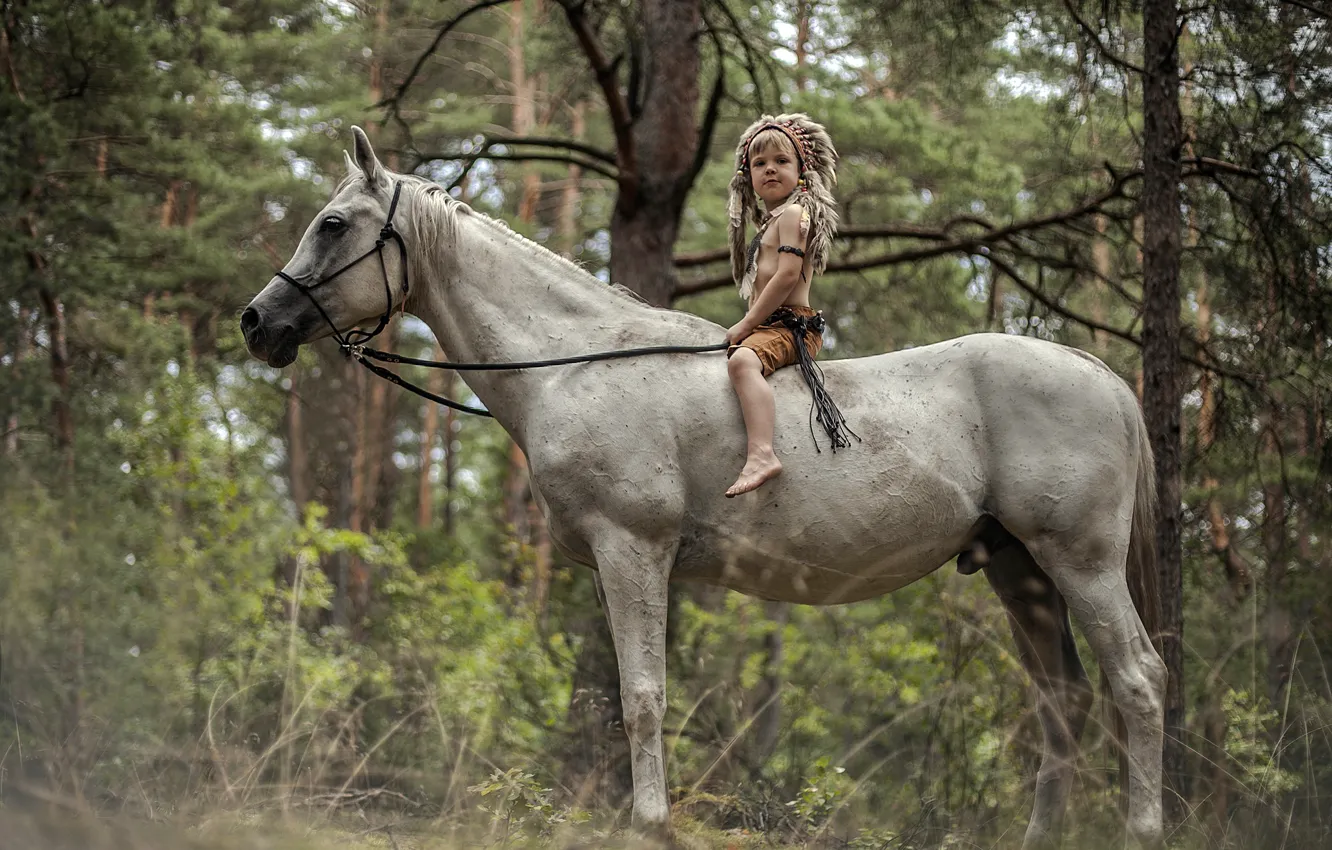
pixel 783 281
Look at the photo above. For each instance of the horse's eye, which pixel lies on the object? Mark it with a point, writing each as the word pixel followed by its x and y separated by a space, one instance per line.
pixel 332 224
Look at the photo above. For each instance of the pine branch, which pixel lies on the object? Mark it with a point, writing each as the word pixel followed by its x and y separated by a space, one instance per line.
pixel 990 235
pixel 7 55
pixel 752 61
pixel 1325 14
pixel 1210 364
pixel 948 244
pixel 844 234
pixel 397 96
pixel 485 153
pixel 552 142
pixel 616 105
pixel 706 131
pixel 1101 47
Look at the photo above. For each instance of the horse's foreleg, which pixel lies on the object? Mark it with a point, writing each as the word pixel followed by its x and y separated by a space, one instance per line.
pixel 1039 620
pixel 634 574
pixel 1093 583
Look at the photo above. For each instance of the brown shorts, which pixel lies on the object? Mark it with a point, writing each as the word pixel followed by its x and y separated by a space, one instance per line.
pixel 775 344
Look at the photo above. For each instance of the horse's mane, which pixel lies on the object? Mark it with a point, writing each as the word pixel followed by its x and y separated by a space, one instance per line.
pixel 434 225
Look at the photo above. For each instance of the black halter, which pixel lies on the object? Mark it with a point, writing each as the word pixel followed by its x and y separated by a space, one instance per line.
pixel 355 336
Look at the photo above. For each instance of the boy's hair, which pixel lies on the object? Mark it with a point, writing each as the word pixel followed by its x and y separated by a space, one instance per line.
pixel 816 160
pixel 768 138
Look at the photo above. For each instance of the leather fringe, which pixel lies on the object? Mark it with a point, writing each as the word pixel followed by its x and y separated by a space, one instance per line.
pixel 822 406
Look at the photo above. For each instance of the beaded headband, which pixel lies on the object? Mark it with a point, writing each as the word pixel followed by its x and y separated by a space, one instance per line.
pixel 792 131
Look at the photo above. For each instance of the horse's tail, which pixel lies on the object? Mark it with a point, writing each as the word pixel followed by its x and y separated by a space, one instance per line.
pixel 1141 575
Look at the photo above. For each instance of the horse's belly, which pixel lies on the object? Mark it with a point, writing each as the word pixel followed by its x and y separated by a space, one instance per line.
pixel 820 552
pixel 819 582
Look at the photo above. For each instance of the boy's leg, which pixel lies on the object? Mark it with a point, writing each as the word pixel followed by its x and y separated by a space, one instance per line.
pixel 760 412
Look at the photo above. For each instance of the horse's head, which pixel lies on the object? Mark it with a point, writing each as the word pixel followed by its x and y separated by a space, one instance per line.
pixel 338 276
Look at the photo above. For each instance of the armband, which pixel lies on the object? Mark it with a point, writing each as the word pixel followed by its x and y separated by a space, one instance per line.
pixel 790 249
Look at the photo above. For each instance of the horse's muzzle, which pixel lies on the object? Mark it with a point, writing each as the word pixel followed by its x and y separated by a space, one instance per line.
pixel 276 346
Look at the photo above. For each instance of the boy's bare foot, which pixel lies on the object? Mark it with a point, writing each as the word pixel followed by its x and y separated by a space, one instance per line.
pixel 756 471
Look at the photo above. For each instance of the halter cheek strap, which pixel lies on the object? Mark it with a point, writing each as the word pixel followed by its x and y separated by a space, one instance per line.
pixel 355 336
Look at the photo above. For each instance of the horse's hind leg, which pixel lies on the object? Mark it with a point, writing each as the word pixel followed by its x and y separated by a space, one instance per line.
pixel 1039 620
pixel 1090 574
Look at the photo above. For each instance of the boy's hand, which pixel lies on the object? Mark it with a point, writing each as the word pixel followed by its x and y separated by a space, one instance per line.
pixel 738 332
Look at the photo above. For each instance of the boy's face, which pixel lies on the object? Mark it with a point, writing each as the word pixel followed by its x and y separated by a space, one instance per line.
pixel 773 172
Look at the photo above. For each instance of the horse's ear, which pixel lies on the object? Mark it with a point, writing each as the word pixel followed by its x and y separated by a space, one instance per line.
pixel 352 169
pixel 366 159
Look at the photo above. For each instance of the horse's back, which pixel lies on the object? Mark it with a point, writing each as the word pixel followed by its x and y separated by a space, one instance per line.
pixel 949 432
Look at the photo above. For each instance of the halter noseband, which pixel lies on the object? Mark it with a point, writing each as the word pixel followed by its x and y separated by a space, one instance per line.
pixel 356 337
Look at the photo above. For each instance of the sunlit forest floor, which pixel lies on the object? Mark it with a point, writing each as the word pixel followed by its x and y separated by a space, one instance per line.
pixel 45 823
pixel 56 828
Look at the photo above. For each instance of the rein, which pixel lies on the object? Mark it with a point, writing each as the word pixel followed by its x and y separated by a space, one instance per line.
pixel 363 356
pixel 353 342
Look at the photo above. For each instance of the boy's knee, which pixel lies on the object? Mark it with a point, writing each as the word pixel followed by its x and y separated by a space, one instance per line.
pixel 742 362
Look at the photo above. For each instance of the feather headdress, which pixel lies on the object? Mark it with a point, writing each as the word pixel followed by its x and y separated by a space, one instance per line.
pixel 817 161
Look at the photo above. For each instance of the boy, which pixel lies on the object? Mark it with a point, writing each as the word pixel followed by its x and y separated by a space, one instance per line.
pixel 789 163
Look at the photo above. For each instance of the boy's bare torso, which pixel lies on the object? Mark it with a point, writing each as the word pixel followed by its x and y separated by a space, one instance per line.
pixel 766 267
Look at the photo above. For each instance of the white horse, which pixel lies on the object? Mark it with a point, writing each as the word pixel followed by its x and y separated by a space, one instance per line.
pixel 1035 451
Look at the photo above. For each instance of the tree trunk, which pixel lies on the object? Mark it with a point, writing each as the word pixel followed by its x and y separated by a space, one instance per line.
pixel 524 107
pixel 63 419
pixel 450 456
pixel 425 488
pixel 994 301
pixel 1100 245
pixel 370 400
pixel 768 721
pixel 1161 359
pixel 168 216
pixel 377 58
pixel 298 462
pixel 358 579
pixel 566 224
pixel 802 13
pixel 380 477
pixel 1236 567
pixel 1278 631
pixel 521 513
pixel 22 345
pixel 349 484
pixel 596 762
pixel 657 137
pixel 202 329
pixel 665 136
pixel 1234 564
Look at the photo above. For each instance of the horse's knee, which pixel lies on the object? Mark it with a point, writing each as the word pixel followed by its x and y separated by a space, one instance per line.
pixel 1141 691
pixel 644 707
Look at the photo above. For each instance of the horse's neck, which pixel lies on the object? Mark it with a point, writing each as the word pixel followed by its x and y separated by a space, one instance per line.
pixel 500 298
